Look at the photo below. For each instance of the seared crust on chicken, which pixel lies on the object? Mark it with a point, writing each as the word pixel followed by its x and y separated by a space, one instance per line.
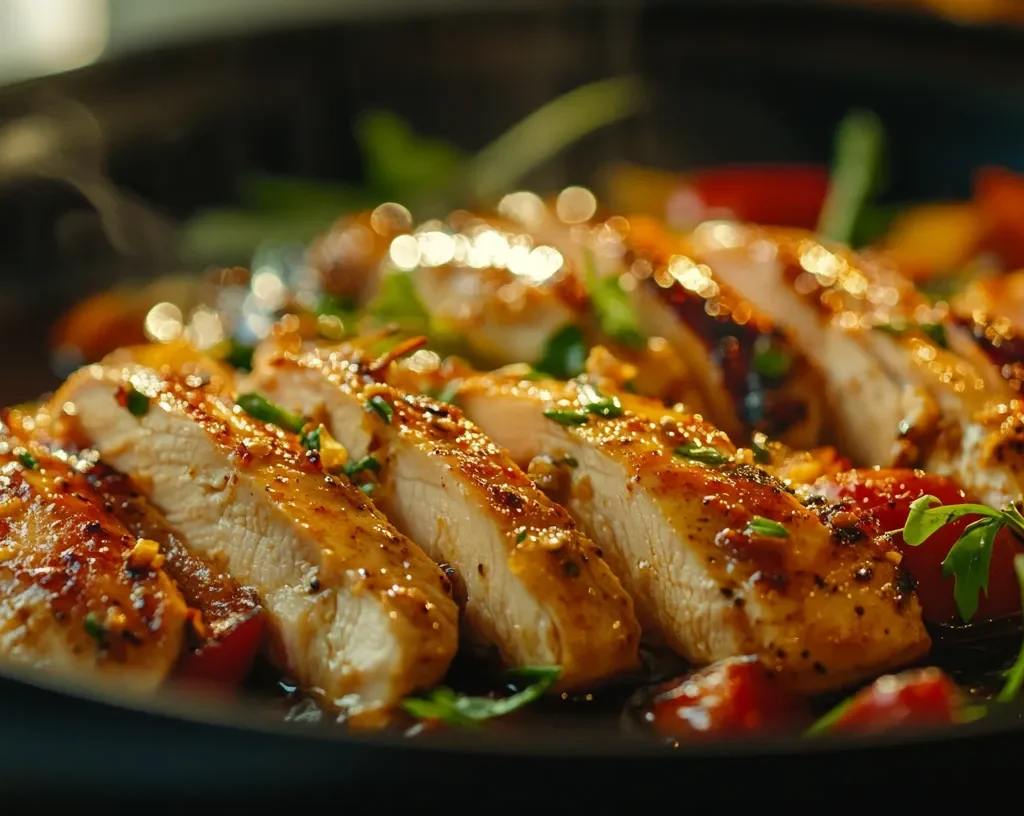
pixel 357 614
pixel 532 584
pixel 73 598
pixel 821 604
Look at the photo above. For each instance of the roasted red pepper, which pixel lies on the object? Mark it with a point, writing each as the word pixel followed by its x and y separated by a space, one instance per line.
pixel 917 697
pixel 734 696
pixel 782 195
pixel 999 195
pixel 888 493
pixel 229 621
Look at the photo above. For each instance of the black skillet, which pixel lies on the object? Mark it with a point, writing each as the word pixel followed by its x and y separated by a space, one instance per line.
pixel 173 128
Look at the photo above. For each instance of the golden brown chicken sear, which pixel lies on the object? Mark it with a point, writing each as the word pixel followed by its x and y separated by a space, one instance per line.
pixel 721 557
pixel 533 585
pixel 357 614
pixel 73 596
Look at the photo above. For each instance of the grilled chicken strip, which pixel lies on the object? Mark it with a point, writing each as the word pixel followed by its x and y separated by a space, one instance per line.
pixel 533 585
pixel 77 595
pixel 356 612
pixel 992 310
pixel 670 501
pixel 901 397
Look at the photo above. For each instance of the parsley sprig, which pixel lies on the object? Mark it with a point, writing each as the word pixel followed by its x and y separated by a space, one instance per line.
pixel 969 558
pixel 1015 676
pixel 453 708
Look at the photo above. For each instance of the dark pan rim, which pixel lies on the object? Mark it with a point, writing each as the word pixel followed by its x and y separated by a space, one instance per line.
pixel 242 716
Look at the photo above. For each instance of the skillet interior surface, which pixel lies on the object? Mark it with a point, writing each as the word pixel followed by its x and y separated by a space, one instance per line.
pixel 757 83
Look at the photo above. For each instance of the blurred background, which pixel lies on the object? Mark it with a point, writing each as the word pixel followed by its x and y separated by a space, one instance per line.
pixel 145 143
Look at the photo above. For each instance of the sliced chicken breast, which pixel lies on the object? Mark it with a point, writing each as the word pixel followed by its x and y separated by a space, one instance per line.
pixel 357 614
pixel 77 597
pixel 902 397
pixel 533 585
pixel 721 558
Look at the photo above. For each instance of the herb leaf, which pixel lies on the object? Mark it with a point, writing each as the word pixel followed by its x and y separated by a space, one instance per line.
pixel 702 453
pixel 379 406
pixel 311 439
pixel 1015 677
pixel 857 166
pixel 95 629
pixel 520 536
pixel 927 516
pixel 456 709
pixel 565 354
pixel 612 306
pixel 135 401
pixel 366 463
pixel 935 332
pixel 770 361
pixel 568 418
pixel 449 393
pixel 28 461
pixel 597 403
pixel 968 561
pixel 264 410
pixel 759 446
pixel 759 525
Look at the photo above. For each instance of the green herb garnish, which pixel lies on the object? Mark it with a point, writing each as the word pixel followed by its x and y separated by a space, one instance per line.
pixel 761 526
pixel 367 488
pixel 136 402
pixel 397 303
pixel 565 354
pixel 935 332
pixel 368 462
pixel 448 394
pixel 1015 677
pixel 94 629
pixel 571 461
pixel 239 355
pixel 380 407
pixel 597 403
pixel 612 306
pixel 770 361
pixel 856 171
pixel 702 453
pixel 311 440
pixel 759 445
pixel 28 461
pixel 969 558
pixel 567 418
pixel 521 537
pixel 448 706
pixel 264 410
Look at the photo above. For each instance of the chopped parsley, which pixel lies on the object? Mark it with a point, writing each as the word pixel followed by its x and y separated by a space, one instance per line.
pixel 94 629
pixel 759 446
pixel 935 332
pixel 761 526
pixel 597 403
pixel 612 307
pixel 567 417
pixel 969 558
pixel 520 536
pixel 702 453
pixel 565 354
pixel 770 361
pixel 452 708
pixel 28 461
pixel 264 410
pixel 378 405
pixel 239 355
pixel 368 462
pixel 135 401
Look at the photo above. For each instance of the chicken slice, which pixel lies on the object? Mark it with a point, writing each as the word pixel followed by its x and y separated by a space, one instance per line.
pixel 899 370
pixel 533 585
pixel 671 502
pixel 357 614
pixel 74 598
